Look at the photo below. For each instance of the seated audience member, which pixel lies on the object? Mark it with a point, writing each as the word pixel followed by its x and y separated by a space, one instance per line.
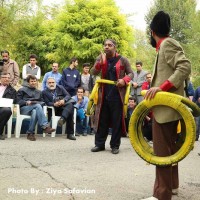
pixel 131 106
pixel 81 105
pixel 60 99
pixel 54 73
pixel 6 91
pixel 30 101
pixel 147 127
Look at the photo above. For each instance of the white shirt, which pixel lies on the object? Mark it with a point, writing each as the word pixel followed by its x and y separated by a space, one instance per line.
pixel 24 75
pixel 2 90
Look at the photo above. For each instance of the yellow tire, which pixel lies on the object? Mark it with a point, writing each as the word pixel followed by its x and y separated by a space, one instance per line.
pixel 128 87
pixel 180 104
pixel 95 93
pixel 89 110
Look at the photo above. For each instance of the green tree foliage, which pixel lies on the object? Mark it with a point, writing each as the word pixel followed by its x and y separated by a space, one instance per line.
pixel 12 12
pixel 181 12
pixel 144 51
pixel 185 28
pixel 55 34
pixel 192 48
pixel 31 39
pixel 81 27
pixel 32 36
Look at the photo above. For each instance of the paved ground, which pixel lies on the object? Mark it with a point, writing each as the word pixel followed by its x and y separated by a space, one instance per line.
pixel 51 168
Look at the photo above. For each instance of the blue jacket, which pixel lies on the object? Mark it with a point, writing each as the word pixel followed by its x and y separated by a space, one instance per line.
pixel 70 80
pixel 190 89
pixel 196 96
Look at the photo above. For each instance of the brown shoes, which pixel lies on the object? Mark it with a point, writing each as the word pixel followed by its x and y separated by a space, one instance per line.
pixel 31 137
pixel 48 129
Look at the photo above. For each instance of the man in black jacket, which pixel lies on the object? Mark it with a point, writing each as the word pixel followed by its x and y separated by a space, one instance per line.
pixel 6 91
pixel 60 99
pixel 30 100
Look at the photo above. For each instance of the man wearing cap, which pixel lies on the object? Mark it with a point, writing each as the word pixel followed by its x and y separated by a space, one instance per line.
pixel 170 71
pixel 109 109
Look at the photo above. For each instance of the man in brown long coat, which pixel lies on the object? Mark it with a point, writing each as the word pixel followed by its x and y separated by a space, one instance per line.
pixel 171 69
pixel 109 110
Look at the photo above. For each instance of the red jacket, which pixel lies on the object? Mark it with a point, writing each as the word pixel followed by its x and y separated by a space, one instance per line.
pixel 123 71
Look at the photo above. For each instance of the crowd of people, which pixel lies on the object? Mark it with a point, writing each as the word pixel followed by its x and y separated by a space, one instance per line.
pixel 62 91
pixel 72 89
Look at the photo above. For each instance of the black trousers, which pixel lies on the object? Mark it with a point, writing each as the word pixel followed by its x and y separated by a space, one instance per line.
pixel 5 114
pixel 67 112
pixel 111 114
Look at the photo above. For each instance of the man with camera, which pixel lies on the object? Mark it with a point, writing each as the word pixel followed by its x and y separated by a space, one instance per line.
pixel 9 66
pixel 60 99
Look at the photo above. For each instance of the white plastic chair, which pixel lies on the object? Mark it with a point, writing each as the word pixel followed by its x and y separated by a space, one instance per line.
pixel 19 120
pixel 54 121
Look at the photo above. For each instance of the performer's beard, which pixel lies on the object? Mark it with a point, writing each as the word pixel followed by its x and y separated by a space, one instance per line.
pixel 152 41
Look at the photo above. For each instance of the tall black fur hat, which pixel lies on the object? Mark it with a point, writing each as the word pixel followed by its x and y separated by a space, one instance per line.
pixel 161 23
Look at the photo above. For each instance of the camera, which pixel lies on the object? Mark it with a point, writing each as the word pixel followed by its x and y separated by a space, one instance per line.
pixel 1 62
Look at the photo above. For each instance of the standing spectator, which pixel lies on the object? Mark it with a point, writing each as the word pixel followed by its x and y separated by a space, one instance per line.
pixel 6 91
pixel 30 101
pixel 54 73
pixel 137 81
pixel 11 67
pixel 82 126
pixel 147 124
pixel 31 69
pixel 60 99
pixel 190 89
pixel 70 79
pixel 86 79
pixel 171 70
pixel 147 83
pixel 196 99
pixel 109 109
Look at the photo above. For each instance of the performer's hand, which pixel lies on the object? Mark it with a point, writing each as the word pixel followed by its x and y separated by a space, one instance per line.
pixel 151 93
pixel 120 83
pixel 135 84
pixel 103 58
